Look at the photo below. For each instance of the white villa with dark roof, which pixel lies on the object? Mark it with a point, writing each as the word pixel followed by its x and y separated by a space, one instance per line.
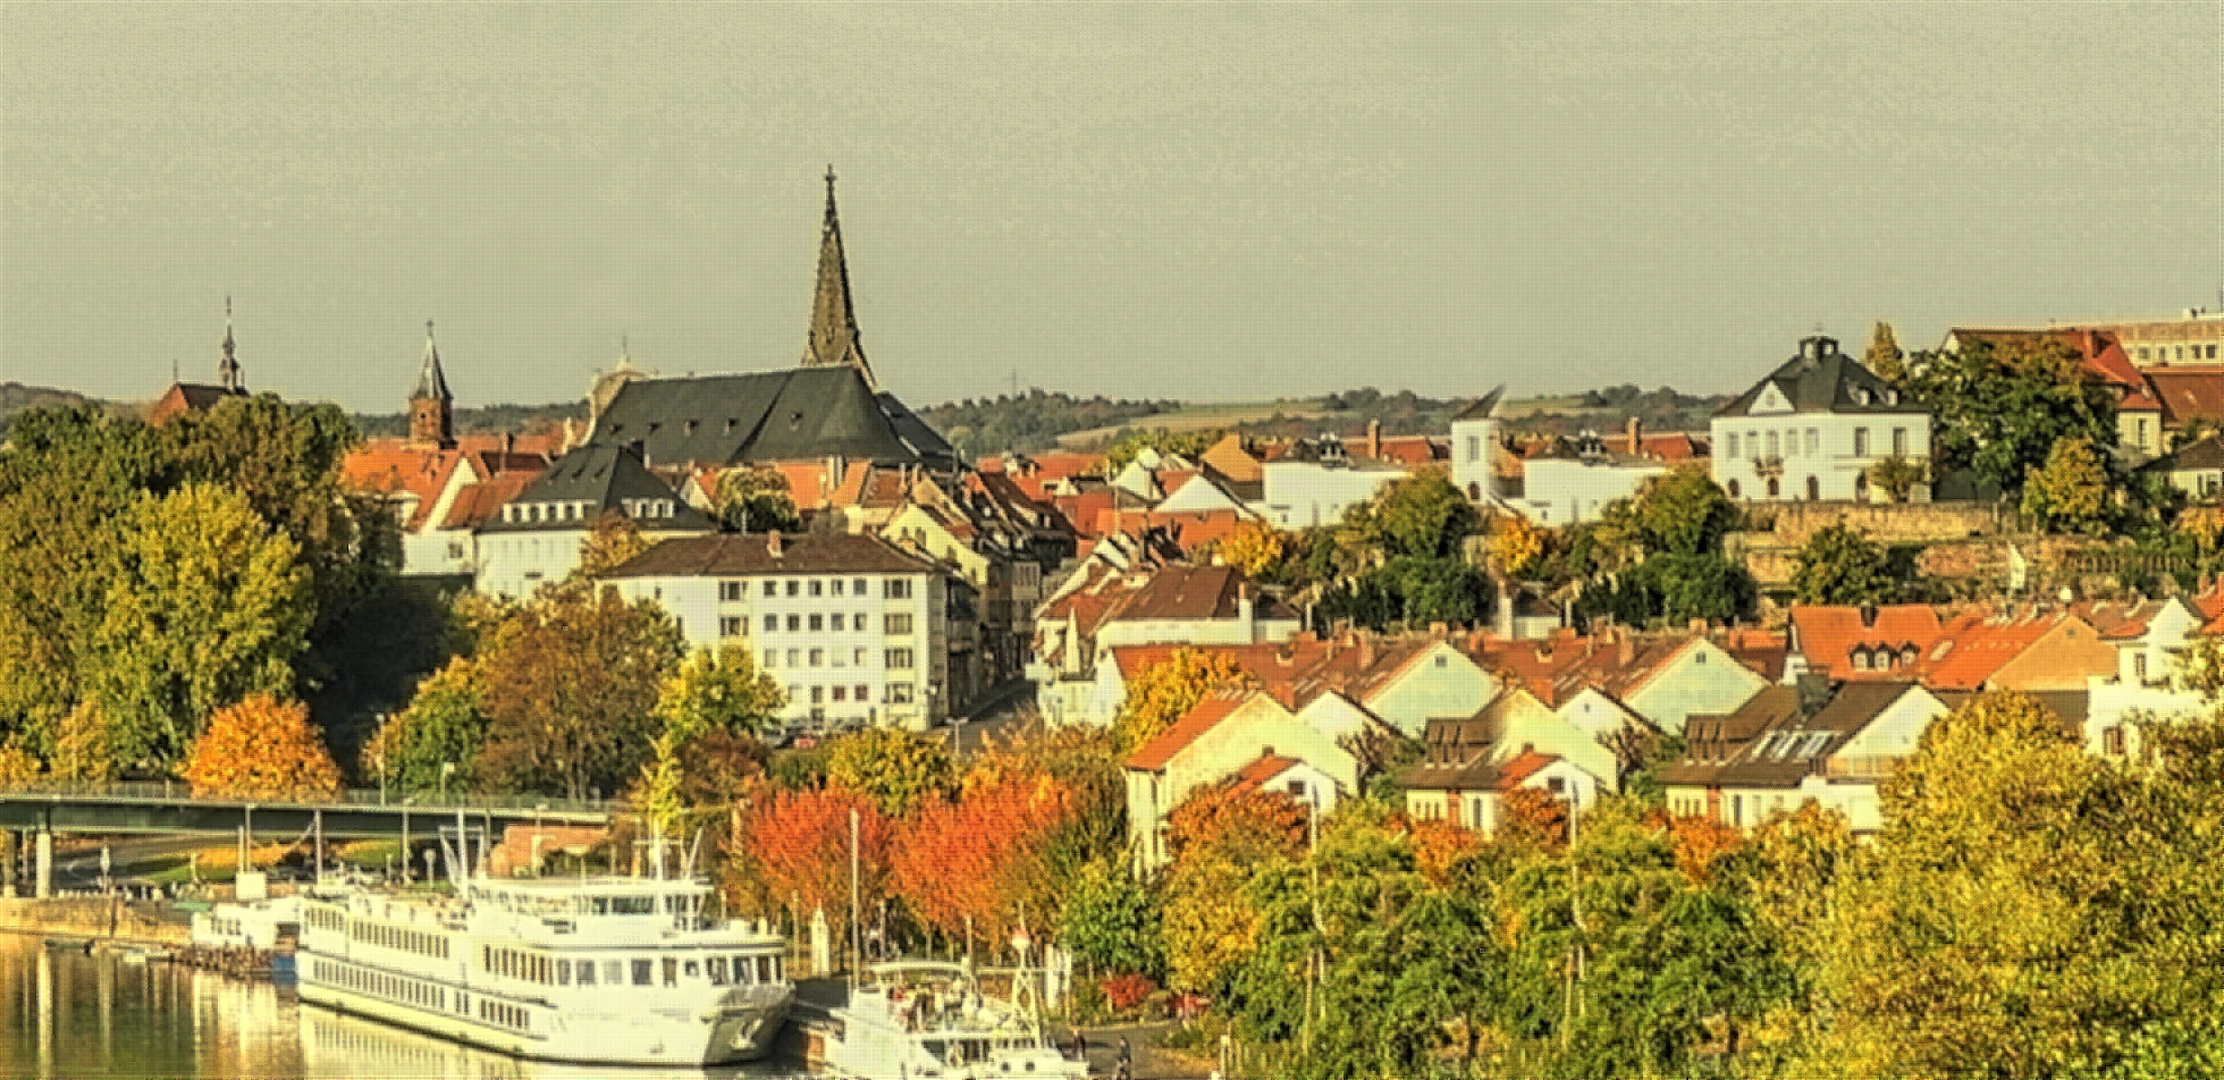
pixel 536 537
pixel 1813 428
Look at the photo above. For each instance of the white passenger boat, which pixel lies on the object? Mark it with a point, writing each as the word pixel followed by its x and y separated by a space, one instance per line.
pixel 606 969
pixel 923 1020
pixel 338 1046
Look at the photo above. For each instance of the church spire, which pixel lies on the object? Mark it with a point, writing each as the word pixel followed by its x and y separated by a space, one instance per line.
pixel 227 369
pixel 431 406
pixel 833 339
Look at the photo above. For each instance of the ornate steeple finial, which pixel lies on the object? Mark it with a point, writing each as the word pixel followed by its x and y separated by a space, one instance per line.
pixel 227 369
pixel 833 339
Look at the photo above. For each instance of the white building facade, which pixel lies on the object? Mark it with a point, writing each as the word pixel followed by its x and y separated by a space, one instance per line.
pixel 855 630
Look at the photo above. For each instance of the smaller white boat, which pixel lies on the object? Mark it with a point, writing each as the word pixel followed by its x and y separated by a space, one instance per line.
pixel 926 1020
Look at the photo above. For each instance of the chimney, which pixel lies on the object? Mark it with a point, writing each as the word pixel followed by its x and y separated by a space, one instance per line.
pixel 1374 438
pixel 1628 648
pixel 1247 614
pixel 1636 437
pixel 772 545
pixel 1868 616
pixel 509 443
pixel 1504 617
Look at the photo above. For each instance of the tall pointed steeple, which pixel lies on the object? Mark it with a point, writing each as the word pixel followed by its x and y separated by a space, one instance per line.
pixel 431 406
pixel 227 369
pixel 833 340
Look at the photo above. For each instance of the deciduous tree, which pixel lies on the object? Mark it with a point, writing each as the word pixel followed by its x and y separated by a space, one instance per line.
pixel 444 725
pixel 794 855
pixel 1517 545
pixel 756 499
pixel 262 748
pixel 2070 492
pixel 983 860
pixel 1110 921
pixel 893 767
pixel 1897 477
pixel 1160 693
pixel 1255 548
pixel 1840 565
pixel 613 541
pixel 205 606
pixel 719 691
pixel 1218 840
pixel 1884 356
pixel 2000 410
pixel 570 683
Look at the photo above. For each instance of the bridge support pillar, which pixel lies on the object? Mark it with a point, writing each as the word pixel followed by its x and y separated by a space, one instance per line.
pixel 45 871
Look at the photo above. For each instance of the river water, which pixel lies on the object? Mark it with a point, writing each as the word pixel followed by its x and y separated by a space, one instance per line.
pixel 65 1016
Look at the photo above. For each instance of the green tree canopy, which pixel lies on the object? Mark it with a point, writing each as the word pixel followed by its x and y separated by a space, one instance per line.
pixel 205 606
pixel 719 691
pixel 1683 512
pixel 2000 410
pixel 2070 492
pixel 890 766
pixel 1841 565
pixel 756 499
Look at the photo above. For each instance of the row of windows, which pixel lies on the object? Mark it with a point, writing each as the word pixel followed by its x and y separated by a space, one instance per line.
pixel 819 694
pixel 893 659
pixel 400 937
pixel 1771 444
pixel 424 995
pixel 325 918
pixel 505 1014
pixel 740 971
pixel 890 588
pixel 517 964
pixel 895 623
pixel 2183 352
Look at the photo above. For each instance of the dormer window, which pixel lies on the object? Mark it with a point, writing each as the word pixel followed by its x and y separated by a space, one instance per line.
pixel 1891 396
pixel 1861 395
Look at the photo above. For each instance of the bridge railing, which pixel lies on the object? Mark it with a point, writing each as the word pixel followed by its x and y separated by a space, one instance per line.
pixel 143 790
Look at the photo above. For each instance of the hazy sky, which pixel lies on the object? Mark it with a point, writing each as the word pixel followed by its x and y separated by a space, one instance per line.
pixel 1194 201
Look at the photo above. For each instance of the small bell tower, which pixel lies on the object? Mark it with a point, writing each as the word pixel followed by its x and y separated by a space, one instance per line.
pixel 431 406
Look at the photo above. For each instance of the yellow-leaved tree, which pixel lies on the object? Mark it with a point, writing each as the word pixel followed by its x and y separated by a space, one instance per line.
pixel 1253 547
pixel 1161 692
pixel 890 766
pixel 1517 544
pixel 262 748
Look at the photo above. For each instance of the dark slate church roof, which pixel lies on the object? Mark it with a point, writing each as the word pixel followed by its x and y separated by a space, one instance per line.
pixel 799 414
pixel 1823 380
pixel 606 477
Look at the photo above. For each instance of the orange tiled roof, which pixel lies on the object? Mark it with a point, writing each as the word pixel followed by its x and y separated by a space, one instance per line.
pixel 1201 718
pixel 1828 635
pixel 1521 767
pixel 478 503
pixel 1256 775
pixel 1975 645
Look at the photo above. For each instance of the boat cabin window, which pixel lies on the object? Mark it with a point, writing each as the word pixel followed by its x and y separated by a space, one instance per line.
pixel 643 972
pixel 613 972
pixel 693 969
pixel 671 971
pixel 717 969
pixel 633 905
pixel 765 971
pixel 586 973
pixel 598 905
pixel 563 973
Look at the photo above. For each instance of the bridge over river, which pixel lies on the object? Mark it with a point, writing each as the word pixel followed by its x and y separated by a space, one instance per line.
pixel 43 809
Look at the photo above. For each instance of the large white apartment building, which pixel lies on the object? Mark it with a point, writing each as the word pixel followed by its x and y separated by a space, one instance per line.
pixel 1813 428
pixel 854 628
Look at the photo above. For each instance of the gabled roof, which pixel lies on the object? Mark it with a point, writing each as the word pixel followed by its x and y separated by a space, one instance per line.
pixel 1828 634
pixel 605 477
pixel 743 554
pixel 800 414
pixel 1779 738
pixel 1823 380
pixel 1262 772
pixel 477 504
pixel 1201 718
pixel 2188 394
pixel 1481 408
pixel 1973 646
pixel 1673 447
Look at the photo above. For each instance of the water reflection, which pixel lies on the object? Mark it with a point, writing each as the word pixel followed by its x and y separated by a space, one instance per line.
pixel 64 1014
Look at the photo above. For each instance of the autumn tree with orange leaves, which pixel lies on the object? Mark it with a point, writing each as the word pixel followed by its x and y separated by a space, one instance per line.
pixel 262 748
pixel 1219 838
pixel 980 861
pixel 793 855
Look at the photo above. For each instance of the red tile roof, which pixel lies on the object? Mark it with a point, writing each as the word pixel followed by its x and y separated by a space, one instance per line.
pixel 1975 645
pixel 1262 772
pixel 1201 718
pixel 1672 447
pixel 1827 635
pixel 1521 767
pixel 2188 394
pixel 478 504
